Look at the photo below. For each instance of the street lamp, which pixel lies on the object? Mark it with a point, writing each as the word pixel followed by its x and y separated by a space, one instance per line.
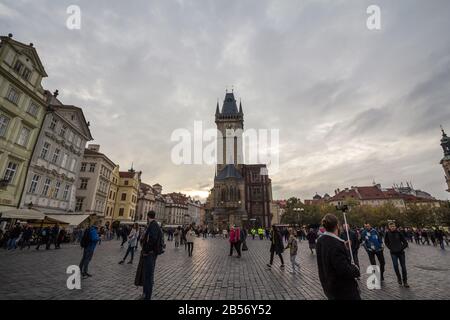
pixel 298 210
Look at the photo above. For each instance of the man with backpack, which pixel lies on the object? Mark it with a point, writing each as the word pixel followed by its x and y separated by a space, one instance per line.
pixel 152 246
pixel 88 243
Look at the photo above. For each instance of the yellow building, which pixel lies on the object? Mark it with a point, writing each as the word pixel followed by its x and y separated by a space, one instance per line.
pixel 127 195
pixel 112 195
pixel 22 110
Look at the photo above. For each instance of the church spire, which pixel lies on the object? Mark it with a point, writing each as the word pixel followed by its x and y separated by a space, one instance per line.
pixel 240 106
pixel 445 143
pixel 217 107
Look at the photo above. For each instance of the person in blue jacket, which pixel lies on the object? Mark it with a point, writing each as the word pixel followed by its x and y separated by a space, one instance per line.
pixel 89 249
pixel 373 244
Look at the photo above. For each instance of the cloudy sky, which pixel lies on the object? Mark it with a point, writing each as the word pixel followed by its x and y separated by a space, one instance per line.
pixel 352 105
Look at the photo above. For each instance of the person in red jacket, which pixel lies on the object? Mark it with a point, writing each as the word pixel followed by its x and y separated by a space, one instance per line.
pixel 235 240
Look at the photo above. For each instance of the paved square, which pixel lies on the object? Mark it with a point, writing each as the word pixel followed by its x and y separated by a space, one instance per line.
pixel 209 274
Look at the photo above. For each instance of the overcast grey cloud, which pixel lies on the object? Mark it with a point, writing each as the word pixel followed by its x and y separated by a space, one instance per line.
pixel 352 105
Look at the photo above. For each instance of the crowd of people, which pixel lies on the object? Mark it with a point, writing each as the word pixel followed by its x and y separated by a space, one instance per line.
pixel 336 246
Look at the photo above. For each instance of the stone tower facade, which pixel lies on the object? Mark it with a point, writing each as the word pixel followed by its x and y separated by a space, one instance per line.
pixel 445 162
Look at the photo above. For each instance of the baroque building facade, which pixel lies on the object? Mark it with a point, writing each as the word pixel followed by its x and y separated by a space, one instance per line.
pixel 22 110
pixel 445 161
pixel 55 163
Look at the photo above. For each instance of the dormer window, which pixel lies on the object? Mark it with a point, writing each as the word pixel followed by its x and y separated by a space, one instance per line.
pixel 18 67
pixel 26 74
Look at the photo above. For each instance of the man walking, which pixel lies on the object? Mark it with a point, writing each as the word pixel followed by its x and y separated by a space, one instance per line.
pixel 88 243
pixel 397 243
pixel 336 272
pixel 152 245
pixel 374 247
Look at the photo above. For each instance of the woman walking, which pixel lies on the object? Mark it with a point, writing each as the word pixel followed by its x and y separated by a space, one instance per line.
pixel 293 248
pixel 311 237
pixel 190 235
pixel 177 236
pixel 132 243
pixel 276 246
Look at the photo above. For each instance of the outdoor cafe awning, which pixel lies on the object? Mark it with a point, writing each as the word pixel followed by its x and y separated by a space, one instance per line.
pixel 72 220
pixel 23 214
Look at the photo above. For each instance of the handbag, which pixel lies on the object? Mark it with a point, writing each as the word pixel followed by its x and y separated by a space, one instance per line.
pixel 139 279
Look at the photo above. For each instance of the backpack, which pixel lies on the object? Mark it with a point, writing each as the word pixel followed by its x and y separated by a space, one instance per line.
pixel 86 238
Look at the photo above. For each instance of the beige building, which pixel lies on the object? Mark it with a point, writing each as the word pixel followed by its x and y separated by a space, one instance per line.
pixel 55 164
pixel 176 209
pixel 94 182
pixel 127 196
pixel 112 195
pixel 146 202
pixel 22 110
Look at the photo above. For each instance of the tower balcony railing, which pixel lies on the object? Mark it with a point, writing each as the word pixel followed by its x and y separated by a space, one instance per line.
pixel 229 204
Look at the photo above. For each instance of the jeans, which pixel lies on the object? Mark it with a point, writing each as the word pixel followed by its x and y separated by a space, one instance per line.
pixel 149 272
pixel 293 262
pixel 84 263
pixel 237 246
pixel 129 250
pixel 190 247
pixel 12 243
pixel 380 257
pixel 396 257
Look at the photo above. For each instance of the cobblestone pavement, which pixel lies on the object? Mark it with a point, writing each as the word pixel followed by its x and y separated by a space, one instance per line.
pixel 209 274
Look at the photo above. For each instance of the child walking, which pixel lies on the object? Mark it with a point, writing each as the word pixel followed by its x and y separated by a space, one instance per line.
pixel 293 248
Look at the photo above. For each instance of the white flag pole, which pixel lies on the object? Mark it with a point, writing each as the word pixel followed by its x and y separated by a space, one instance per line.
pixel 348 237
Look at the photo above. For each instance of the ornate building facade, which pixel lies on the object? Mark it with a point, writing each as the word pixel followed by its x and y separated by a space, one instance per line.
pixel 242 193
pixel 445 162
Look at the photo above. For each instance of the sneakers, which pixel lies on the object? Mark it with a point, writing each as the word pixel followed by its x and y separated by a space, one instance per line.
pixel 405 284
pixel 121 262
pixel 269 265
pixel 130 262
pixel 400 283
pixel 282 266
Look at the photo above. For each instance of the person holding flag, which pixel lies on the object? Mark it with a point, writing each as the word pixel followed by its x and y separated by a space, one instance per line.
pixel 337 273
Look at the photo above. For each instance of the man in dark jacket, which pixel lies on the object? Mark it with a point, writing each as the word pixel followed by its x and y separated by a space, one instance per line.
pixel 276 246
pixel 396 242
pixel 152 238
pixel 336 272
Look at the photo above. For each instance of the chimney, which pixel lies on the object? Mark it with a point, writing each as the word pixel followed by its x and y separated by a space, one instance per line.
pixel 94 147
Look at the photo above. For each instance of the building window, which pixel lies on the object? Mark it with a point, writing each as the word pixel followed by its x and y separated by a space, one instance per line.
pixel 121 211
pixel 83 166
pixel 110 194
pixel 44 150
pixel 34 183
pixel 79 204
pixel 53 124
pixel 83 184
pixel 124 197
pixel 13 95
pixel 70 138
pixel 47 184
pixel 91 167
pixel 56 155
pixel 26 74
pixel 56 191
pixel 23 137
pixel 72 165
pixel 66 192
pixel 64 160
pixel 18 67
pixel 126 182
pixel 62 131
pixel 33 109
pixel 4 121
pixel 10 172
